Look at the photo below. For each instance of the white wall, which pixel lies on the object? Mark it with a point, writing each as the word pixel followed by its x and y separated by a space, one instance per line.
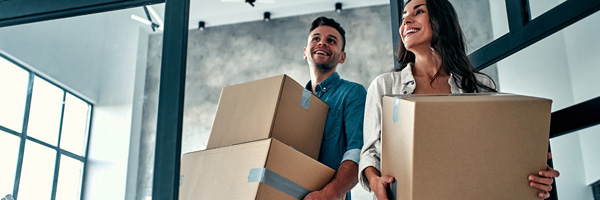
pixel 562 68
pixel 94 56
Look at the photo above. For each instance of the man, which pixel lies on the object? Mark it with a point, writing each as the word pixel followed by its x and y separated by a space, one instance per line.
pixel 342 137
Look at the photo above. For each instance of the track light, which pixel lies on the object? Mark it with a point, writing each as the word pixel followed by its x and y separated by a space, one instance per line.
pixel 267 17
pixel 251 2
pixel 338 7
pixel 201 25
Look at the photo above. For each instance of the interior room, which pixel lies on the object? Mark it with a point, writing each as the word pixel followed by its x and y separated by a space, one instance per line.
pixel 83 87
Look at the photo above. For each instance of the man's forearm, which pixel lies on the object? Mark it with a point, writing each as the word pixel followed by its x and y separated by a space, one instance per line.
pixel 345 178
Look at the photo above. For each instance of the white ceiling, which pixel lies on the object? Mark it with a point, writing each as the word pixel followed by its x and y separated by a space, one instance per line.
pixel 222 12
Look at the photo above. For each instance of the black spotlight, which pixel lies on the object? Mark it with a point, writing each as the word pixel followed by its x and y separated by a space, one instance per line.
pixel 201 25
pixel 267 16
pixel 338 7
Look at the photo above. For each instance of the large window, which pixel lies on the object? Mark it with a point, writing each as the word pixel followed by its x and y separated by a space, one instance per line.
pixel 44 132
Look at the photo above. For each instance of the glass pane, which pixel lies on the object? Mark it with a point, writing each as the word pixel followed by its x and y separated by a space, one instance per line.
pixel 13 87
pixel 69 178
pixel 499 18
pixel 9 146
pixel 563 67
pixel 74 126
pixel 37 174
pixel 46 106
pixel 539 7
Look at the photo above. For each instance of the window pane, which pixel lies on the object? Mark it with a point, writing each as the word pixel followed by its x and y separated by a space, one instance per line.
pixel 38 172
pixel 44 117
pixel 13 87
pixel 9 146
pixel 74 126
pixel 69 178
pixel 539 7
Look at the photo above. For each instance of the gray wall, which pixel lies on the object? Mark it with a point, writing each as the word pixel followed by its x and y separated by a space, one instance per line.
pixel 238 53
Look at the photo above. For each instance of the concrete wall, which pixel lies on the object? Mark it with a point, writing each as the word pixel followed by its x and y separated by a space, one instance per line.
pixel 95 57
pixel 238 53
pixel 562 68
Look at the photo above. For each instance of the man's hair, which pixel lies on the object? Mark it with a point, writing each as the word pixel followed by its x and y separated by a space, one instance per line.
pixel 324 21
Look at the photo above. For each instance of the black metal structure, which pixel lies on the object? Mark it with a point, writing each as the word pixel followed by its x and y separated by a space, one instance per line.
pixel 170 101
pixel 396 9
pixel 525 32
pixel 21 12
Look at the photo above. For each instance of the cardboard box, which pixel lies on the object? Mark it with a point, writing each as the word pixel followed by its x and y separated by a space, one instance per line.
pixel 464 146
pixel 276 107
pixel 231 172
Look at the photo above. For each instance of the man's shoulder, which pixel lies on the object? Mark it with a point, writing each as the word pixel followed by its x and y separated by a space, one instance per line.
pixel 352 86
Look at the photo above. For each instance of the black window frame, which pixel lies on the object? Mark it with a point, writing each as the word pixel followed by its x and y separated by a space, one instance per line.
pixel 23 137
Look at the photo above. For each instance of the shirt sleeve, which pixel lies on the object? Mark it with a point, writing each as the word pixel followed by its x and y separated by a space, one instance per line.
pixel 371 151
pixel 354 108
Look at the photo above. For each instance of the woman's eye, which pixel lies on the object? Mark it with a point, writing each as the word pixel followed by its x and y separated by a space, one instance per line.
pixel 420 11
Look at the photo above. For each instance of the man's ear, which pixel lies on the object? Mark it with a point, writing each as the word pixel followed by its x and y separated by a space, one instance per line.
pixel 343 57
pixel 304 53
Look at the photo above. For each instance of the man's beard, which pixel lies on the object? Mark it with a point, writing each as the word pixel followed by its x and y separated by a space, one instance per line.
pixel 325 67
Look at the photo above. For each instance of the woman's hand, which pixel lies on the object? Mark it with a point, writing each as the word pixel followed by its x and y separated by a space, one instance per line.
pixel 379 185
pixel 544 180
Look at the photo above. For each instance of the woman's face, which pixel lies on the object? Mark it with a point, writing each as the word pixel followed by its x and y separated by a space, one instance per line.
pixel 415 29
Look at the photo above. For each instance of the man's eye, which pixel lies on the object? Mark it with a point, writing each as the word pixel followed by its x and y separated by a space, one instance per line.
pixel 331 41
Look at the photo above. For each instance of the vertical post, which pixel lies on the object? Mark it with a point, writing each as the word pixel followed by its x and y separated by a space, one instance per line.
pixel 396 9
pixel 170 101
pixel 553 192
pixel 518 15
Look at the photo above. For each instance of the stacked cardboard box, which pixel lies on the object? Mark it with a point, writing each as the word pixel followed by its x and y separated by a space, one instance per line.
pixel 264 144
pixel 464 146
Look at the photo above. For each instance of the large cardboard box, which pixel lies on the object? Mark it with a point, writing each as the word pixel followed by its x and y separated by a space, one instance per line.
pixel 276 107
pixel 464 146
pixel 264 169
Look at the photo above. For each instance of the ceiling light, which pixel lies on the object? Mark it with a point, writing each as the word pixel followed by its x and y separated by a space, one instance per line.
pixel 267 16
pixel 201 25
pixel 338 7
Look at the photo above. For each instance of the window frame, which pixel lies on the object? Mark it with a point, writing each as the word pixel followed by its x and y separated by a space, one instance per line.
pixel 59 151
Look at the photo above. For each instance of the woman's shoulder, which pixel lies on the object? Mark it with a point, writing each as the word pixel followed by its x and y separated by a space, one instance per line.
pixel 384 82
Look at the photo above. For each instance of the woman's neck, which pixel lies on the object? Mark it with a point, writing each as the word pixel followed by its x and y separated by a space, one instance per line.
pixel 427 63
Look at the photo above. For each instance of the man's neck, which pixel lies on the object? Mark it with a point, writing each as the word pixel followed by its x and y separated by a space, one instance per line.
pixel 317 76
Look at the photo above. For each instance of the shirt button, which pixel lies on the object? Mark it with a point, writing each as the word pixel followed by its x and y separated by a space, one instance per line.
pixel 412 82
pixel 405 92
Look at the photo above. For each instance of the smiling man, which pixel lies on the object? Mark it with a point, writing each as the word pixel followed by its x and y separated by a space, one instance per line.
pixel 342 137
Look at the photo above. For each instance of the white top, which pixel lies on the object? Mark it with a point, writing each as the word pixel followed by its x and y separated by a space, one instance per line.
pixel 390 83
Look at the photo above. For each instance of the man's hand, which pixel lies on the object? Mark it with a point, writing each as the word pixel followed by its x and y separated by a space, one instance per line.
pixel 319 195
pixel 543 181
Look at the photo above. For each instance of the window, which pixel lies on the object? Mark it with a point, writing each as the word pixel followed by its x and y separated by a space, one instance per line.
pixel 44 132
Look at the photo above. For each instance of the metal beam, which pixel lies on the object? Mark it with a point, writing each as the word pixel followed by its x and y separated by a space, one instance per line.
pixel 396 9
pixel 576 117
pixel 537 29
pixel 15 12
pixel 518 15
pixel 170 101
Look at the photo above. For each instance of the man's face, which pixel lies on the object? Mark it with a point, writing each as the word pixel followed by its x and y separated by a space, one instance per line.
pixel 324 48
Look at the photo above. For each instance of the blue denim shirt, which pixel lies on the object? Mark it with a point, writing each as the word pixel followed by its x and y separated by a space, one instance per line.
pixel 343 135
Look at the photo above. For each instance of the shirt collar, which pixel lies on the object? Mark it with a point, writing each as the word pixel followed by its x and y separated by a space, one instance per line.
pixel 406 75
pixel 324 85
pixel 408 80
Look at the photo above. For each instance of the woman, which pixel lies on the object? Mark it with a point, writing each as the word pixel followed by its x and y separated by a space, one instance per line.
pixel 433 60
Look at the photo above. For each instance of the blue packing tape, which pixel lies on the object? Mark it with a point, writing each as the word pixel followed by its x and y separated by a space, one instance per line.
pixel 305 101
pixel 396 102
pixel 278 182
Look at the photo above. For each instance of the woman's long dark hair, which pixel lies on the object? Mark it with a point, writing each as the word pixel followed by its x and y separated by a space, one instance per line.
pixel 449 42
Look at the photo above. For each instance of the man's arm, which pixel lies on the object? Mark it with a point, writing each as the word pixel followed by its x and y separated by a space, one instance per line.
pixel 343 181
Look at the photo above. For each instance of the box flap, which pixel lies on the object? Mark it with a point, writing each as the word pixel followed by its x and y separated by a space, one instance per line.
pixel 296 126
pixel 251 106
pixel 297 167
pixel 205 173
